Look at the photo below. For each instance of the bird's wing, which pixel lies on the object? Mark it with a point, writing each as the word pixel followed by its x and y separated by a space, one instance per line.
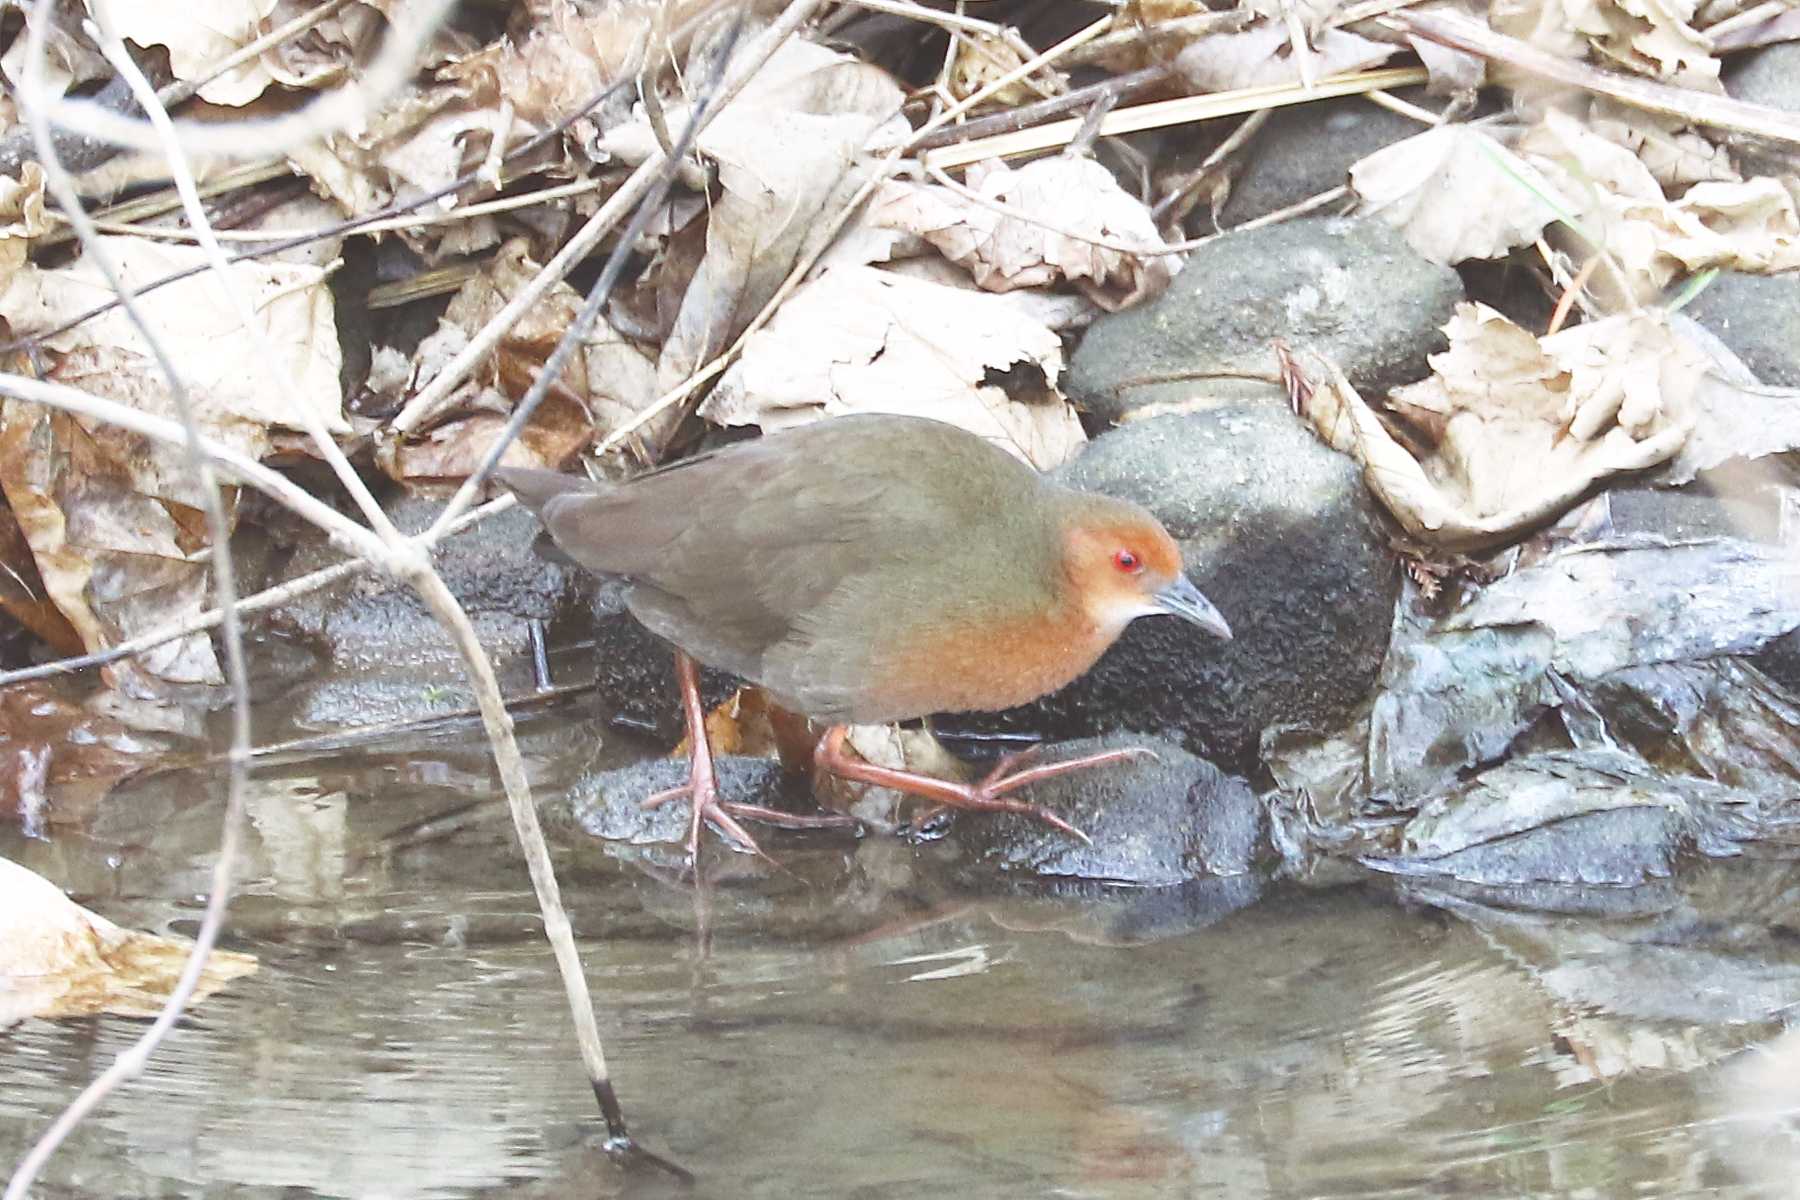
pixel 734 554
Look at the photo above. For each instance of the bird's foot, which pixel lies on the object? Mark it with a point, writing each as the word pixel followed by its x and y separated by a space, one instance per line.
pixel 702 788
pixel 988 795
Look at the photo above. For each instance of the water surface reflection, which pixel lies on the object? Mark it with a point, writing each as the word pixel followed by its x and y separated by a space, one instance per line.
pixel 857 1025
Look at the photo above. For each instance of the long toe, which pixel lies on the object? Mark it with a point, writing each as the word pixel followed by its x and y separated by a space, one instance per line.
pixel 788 820
pixel 999 786
pixel 722 820
pixel 987 799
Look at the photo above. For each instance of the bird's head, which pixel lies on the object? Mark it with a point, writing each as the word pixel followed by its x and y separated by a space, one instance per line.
pixel 1122 564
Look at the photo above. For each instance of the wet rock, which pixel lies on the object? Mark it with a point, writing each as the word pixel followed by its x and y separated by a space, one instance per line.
pixel 1572 731
pixel 1740 500
pixel 608 805
pixel 1281 534
pixel 1350 289
pixel 1155 822
pixel 1593 831
pixel 1758 317
pixel 1529 643
pixel 634 674
pixel 379 654
pixel 1597 818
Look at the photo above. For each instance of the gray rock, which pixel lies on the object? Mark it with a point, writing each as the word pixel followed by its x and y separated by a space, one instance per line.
pixel 1758 317
pixel 1769 75
pixel 1281 534
pixel 378 653
pixel 1350 289
pixel 1155 822
pixel 1308 149
pixel 608 805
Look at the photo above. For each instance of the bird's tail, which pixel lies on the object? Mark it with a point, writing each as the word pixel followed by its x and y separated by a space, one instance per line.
pixel 536 488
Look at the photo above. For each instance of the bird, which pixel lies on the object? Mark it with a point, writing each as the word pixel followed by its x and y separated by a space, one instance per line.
pixel 867 569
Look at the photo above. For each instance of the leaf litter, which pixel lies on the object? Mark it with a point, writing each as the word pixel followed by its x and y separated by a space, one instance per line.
pixel 960 303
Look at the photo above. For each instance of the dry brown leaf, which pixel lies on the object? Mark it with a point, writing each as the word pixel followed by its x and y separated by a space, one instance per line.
pixel 115 561
pixel 1675 154
pixel 197 34
pixel 226 375
pixel 1003 252
pixel 559 62
pixel 57 959
pixel 606 382
pixel 1263 55
pixel 23 594
pixel 1450 72
pixel 1456 193
pixel 112 518
pixel 1750 225
pixel 1655 37
pixel 863 340
pixel 1520 426
pixel 450 452
pixel 416 144
pixel 1739 417
pixel 785 149
pixel 22 215
pixel 326 50
pixel 70 57
pixel 1650 37
pixel 980 59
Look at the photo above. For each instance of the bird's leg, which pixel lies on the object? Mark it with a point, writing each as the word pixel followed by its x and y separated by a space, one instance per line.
pixel 703 782
pixel 989 795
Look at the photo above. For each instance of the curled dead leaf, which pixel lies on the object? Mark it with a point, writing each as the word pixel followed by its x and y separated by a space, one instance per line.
pixel 112 518
pixel 864 340
pixel 1519 427
pixel 1039 235
pixel 57 959
pixel 1456 192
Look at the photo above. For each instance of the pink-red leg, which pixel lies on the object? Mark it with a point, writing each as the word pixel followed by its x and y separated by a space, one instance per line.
pixel 989 795
pixel 702 786
pixel 703 783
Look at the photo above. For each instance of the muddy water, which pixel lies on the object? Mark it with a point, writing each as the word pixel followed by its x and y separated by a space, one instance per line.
pixel 852 1025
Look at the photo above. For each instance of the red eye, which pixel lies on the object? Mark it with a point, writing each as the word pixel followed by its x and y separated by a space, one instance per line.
pixel 1127 562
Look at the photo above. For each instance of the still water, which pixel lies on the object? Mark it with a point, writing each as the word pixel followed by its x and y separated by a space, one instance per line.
pixel 854 1025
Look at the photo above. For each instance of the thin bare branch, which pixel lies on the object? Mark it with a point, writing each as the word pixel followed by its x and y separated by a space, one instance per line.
pixel 411 28
pixel 1690 104
pixel 182 175
pixel 246 470
pixel 268 598
pixel 736 75
pixel 130 1063
pixel 1159 114
pixel 466 212
pixel 1121 87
